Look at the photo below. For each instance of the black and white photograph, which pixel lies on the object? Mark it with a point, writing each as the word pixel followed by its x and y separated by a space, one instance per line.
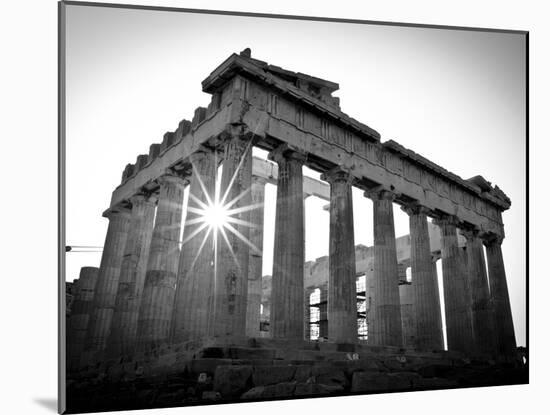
pixel 285 208
pixel 279 209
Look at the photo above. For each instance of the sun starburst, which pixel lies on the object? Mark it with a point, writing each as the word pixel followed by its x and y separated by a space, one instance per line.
pixel 216 216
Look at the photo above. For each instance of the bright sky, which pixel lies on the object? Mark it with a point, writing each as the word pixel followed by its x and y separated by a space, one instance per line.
pixel 455 97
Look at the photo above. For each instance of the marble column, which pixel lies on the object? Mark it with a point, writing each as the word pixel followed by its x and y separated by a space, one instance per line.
pixel 342 296
pixel 387 330
pixel 369 298
pixel 408 321
pixel 455 288
pixel 255 259
pixel 196 268
pixel 500 300
pixel 122 339
pixel 287 292
pixel 107 280
pixel 482 315
pixel 157 300
pixel 228 301
pixel 80 314
pixel 425 293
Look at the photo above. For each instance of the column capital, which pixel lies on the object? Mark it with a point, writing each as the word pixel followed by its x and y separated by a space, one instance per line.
pixel 114 211
pixel 202 152
pixel 286 152
pixel 470 233
pixel 379 193
pixel 415 209
pixel 491 239
pixel 142 197
pixel 446 220
pixel 172 178
pixel 338 174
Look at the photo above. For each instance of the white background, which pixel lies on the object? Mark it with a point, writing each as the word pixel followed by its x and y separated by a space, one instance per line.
pixel 29 167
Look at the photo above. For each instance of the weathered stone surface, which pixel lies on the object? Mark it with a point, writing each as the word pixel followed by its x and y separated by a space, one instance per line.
pixel 101 315
pixel 504 325
pixel 197 366
pixel 307 389
pixel 428 331
pixel 195 268
pixel 482 314
pixel 434 371
pixel 232 381
pixel 342 298
pixel 122 338
pixel 302 373
pixel 211 396
pixel 433 383
pixel 269 375
pixel 228 299
pixel 250 353
pixel 77 324
pixel 157 300
pixel 329 375
pixel 382 382
pixel 387 328
pixel 456 291
pixel 287 292
pixel 280 390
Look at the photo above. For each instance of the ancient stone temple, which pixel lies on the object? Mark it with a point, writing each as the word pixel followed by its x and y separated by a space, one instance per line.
pixel 198 310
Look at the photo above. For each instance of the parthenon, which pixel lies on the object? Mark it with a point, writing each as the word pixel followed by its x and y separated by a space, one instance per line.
pixel 162 303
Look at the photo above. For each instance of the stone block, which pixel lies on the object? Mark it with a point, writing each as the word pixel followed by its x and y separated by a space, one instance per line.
pixel 308 389
pixel 197 366
pixel 250 353
pixel 167 140
pixel 232 381
pixel 329 375
pixel 381 382
pixel 433 383
pixel 212 352
pixel 270 375
pixel 199 116
pixel 141 162
pixel 279 390
pixel 302 373
pixel 432 371
pixel 154 150
pixel 345 347
pixel 184 127
pixel 211 396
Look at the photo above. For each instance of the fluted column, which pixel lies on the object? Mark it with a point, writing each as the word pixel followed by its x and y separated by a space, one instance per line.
pixel 107 280
pixel 426 306
pixel 482 315
pixel 196 270
pixel 157 300
pixel 408 321
pixel 503 323
pixel 458 315
pixel 387 328
pixel 342 296
pixel 122 339
pixel 287 292
pixel 228 302
pixel 255 259
pixel 80 314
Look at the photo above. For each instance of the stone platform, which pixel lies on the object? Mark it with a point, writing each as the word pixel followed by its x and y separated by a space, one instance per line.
pixel 237 370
